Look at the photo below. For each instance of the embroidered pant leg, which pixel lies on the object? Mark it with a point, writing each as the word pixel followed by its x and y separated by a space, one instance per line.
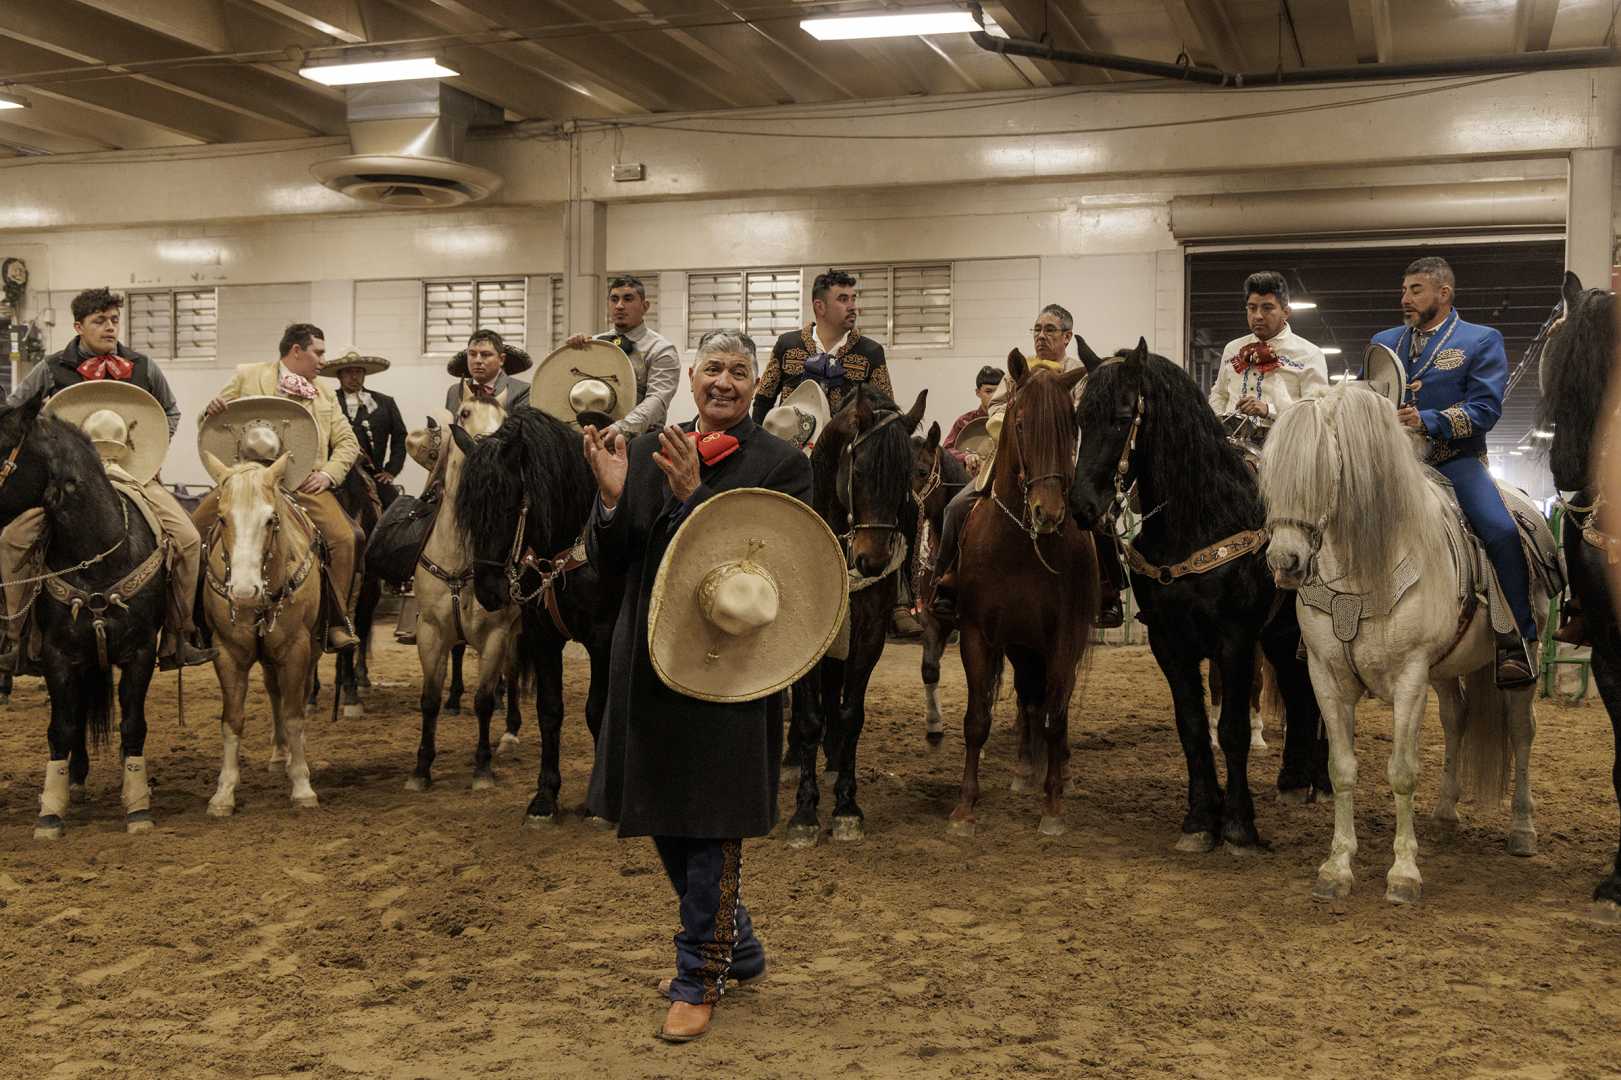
pixel 19 559
pixel 342 541
pixel 1483 506
pixel 185 559
pixel 716 931
pixel 951 527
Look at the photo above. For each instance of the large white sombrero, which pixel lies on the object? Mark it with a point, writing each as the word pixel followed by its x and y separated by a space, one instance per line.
pixel 262 428
pixel 595 384
pixel 751 593
pixel 975 438
pixel 350 358
pixel 802 416
pixel 1384 373
pixel 135 436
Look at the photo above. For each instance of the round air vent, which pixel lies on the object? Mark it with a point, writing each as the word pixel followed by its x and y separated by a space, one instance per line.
pixel 406 183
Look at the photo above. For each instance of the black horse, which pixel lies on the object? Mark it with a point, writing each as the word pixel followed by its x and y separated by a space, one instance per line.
pixel 1146 427
pixel 531 475
pixel 1578 361
pixel 936 476
pixel 862 470
pixel 100 607
pixel 358 497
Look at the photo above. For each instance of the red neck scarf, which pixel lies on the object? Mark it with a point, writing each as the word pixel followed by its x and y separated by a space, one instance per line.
pixel 1257 355
pixel 482 390
pixel 100 367
pixel 714 446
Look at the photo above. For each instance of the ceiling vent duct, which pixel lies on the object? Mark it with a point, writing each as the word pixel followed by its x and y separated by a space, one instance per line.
pixel 408 139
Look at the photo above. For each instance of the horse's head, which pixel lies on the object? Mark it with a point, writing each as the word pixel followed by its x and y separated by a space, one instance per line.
pixel 1036 449
pixel 926 465
pixel 1576 351
pixel 247 521
pixel 23 480
pixel 868 444
pixel 1110 416
pixel 478 417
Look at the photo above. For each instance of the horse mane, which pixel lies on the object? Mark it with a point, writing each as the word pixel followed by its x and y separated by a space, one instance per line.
pixel 535 453
pixel 1194 472
pixel 1576 365
pixel 76 474
pixel 886 473
pixel 1344 454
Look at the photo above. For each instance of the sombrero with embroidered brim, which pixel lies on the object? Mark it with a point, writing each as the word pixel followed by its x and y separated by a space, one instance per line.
pixel 591 385
pixel 513 360
pixel 351 358
pixel 751 593
pixel 975 438
pixel 144 441
pixel 262 428
pixel 1384 373
pixel 802 416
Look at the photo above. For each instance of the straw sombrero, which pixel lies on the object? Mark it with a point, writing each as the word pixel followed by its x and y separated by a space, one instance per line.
pixel 351 358
pixel 592 385
pixel 751 593
pixel 975 438
pixel 1384 373
pixel 801 417
pixel 262 428
pixel 144 441
pixel 513 360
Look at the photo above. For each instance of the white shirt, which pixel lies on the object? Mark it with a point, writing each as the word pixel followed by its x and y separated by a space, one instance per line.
pixel 816 342
pixel 1303 369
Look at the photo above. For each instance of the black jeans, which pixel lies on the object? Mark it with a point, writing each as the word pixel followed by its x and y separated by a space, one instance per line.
pixel 716 937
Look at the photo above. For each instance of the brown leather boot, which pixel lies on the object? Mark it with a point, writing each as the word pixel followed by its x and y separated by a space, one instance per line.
pixel 684 1022
pixel 180 650
pixel 1573 628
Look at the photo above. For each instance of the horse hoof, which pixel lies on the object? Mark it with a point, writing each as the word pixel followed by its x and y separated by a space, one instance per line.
pixel 1523 843
pixel 451 710
pixel 800 837
pixel 1605 911
pixel 48 828
pixel 1196 842
pixel 1403 890
pixel 1021 785
pixel 1257 743
pixel 507 745
pixel 1051 826
pixel 1298 796
pixel 307 802
pixel 78 794
pixel 417 783
pixel 483 781
pixel 848 829
pixel 221 809
pixel 541 821
pixel 961 826
pixel 1328 888
pixel 354 712
pixel 138 822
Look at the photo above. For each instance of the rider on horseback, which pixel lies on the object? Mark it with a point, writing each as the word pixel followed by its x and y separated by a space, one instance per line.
pixel 1268 369
pixel 1456 374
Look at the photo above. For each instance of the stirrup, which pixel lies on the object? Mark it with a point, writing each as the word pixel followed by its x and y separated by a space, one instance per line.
pixel 1516 666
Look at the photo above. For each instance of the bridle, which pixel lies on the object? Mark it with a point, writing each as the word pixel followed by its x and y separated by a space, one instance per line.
pixel 845 484
pixel 268 608
pixel 1025 521
pixel 9 466
pixel 1315 530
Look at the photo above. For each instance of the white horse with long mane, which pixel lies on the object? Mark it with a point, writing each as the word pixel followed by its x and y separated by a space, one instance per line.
pixel 1387 607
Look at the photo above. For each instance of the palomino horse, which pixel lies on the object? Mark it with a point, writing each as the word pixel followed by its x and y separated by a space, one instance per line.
pixel 525 495
pixel 262 599
pixel 936 477
pixel 1577 363
pixel 1198 571
pixel 450 614
pixel 862 465
pixel 1027 587
pixel 99 607
pixel 1359 528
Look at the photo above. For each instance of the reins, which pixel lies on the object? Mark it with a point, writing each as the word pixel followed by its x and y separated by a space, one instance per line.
pixel 1026 484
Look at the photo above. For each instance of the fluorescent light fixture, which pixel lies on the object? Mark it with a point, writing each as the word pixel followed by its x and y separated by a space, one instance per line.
pixel 12 101
pixel 1516 453
pixel 908 24
pixel 1540 434
pixel 377 71
pixel 1331 350
pixel 1522 448
pixel 1341 377
pixel 1302 305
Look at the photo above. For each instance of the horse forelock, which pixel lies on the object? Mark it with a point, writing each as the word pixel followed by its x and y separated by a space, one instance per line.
pixel 885 465
pixel 533 453
pixel 1041 422
pixel 1576 363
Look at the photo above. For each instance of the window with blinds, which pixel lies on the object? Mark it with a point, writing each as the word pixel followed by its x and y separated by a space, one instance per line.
pixel 650 285
pixel 714 302
pixel 171 324
pixel 872 301
pixel 452 310
pixel 921 305
pixel 559 331
pixel 772 305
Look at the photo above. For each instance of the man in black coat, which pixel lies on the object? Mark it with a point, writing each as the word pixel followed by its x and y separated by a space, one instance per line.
pixel 696 776
pixel 376 418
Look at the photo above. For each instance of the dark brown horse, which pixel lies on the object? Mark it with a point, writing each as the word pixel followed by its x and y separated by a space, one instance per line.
pixel 936 476
pixel 1027 587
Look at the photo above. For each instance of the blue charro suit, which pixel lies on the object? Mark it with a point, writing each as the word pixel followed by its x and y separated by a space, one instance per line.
pixel 1460 372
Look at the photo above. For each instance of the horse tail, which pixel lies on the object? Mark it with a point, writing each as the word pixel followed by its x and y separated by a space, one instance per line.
pixel 1272 706
pixel 1485 752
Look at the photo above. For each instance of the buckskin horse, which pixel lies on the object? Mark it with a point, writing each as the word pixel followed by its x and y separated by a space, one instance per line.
pixel 526 489
pixel 262 599
pixel 1027 588
pixel 1578 360
pixel 1198 570
pixel 99 606
pixel 936 476
pixel 862 469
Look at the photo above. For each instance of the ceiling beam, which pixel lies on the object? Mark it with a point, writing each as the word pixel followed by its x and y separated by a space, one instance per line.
pixel 1372 24
pixel 342 20
pixel 1533 24
pixel 52 142
pixel 786 48
pixel 50 112
pixel 1206 33
pixel 200 23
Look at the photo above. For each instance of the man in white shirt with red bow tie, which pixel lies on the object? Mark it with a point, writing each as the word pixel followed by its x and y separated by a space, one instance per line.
pixel 303 347
pixel 1271 367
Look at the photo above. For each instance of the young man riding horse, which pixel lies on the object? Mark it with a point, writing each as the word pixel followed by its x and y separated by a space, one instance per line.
pixel 1054 330
pixel 1268 369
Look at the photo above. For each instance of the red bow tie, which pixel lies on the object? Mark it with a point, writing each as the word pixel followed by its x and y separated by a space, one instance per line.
pixel 99 367
pixel 1258 355
pixel 714 446
pixel 480 390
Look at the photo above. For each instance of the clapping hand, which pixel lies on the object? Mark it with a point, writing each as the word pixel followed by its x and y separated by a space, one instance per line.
pixel 605 453
pixel 678 458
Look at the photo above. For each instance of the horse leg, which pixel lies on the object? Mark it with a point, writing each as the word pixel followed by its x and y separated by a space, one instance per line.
pixel 934 643
pixel 290 717
pixel 1338 699
pixel 315 680
pixel 798 693
pixel 1201 825
pixel 347 684
pixel 133 682
pixel 279 755
pixel 371 594
pixel 1448 693
pixel 1264 688
pixel 549 720
pixel 62 737
pixel 1213 680
pixel 1238 808
pixel 79 766
pixel 981 664
pixel 1305 748
pixel 1403 883
pixel 431 654
pixel 233 675
pixel 1522 729
pixel 453 695
pixel 1054 714
pixel 1606 668
pixel 833 678
pixel 492 664
pixel 596 703
pixel 5 689
pixel 847 816
pixel 805 730
pixel 509 737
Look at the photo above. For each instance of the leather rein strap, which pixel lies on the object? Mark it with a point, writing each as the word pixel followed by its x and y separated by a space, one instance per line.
pixel 1204 560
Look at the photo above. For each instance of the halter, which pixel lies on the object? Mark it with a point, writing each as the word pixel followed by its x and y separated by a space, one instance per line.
pixel 267 610
pixel 846 480
pixel 1124 493
pixel 1025 523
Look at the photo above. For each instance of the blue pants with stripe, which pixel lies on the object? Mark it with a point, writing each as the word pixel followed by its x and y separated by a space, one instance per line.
pixel 1483 505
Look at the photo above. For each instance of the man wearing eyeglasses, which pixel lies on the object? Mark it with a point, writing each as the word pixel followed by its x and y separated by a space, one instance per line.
pixel 1053 331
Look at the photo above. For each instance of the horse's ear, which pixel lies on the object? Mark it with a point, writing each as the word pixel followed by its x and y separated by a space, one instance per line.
pixel 932 443
pixel 1140 353
pixel 914 415
pixel 1017 369
pixel 1572 291
pixel 1072 379
pixel 433 425
pixel 216 468
pixel 464 441
pixel 278 469
pixel 1089 359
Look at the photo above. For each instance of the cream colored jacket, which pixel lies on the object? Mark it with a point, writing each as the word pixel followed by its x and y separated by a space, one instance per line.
pixel 336 447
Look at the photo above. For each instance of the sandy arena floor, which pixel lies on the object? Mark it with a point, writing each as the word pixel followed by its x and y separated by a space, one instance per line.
pixel 391 934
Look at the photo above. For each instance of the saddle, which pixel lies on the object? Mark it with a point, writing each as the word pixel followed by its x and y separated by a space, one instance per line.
pixel 396 544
